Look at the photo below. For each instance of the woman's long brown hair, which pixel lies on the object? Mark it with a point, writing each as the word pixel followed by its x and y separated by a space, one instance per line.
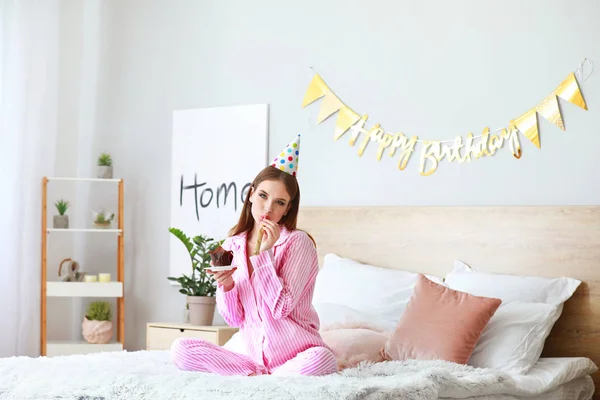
pixel 246 221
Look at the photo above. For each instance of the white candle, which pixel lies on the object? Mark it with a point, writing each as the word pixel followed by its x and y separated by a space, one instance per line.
pixel 91 278
pixel 104 277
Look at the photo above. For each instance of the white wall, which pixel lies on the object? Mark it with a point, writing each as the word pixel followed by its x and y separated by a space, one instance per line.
pixel 78 145
pixel 433 68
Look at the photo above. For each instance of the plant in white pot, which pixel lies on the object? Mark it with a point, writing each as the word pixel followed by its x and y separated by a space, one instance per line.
pixel 61 221
pixel 97 324
pixel 105 168
pixel 200 287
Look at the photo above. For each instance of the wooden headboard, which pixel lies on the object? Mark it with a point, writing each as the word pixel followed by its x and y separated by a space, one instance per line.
pixel 538 240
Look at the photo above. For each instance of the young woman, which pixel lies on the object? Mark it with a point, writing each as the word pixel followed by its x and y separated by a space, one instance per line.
pixel 269 294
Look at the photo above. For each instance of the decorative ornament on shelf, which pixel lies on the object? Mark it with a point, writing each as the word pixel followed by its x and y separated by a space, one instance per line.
pixel 105 167
pixel 61 221
pixel 97 324
pixel 71 271
pixel 103 219
pixel 458 149
pixel 199 287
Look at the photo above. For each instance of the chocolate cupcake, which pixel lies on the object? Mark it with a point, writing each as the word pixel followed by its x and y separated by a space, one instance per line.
pixel 221 257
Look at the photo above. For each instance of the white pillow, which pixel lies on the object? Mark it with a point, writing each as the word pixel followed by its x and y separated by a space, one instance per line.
pixel 533 289
pixel 382 293
pixel 514 338
pixel 337 316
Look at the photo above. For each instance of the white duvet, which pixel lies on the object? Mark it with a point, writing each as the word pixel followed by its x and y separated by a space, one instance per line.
pixel 150 375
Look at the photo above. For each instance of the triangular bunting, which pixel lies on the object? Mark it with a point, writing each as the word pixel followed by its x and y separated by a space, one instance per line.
pixel 569 91
pixel 329 106
pixel 346 118
pixel 315 91
pixel 527 124
pixel 434 151
pixel 550 110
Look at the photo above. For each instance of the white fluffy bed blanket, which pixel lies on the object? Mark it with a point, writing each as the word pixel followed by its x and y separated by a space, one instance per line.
pixel 150 375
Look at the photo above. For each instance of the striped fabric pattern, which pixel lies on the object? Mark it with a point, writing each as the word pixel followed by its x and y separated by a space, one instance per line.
pixel 192 354
pixel 273 310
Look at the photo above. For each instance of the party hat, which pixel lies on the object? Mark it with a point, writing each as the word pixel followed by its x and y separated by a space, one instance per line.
pixel 287 160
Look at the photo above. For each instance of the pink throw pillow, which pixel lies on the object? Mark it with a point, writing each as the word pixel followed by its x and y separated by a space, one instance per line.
pixel 352 346
pixel 439 324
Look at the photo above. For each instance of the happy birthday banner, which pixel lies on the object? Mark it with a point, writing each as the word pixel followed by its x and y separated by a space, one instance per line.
pixel 434 151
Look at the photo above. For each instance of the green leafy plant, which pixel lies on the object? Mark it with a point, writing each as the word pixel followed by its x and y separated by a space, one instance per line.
pixel 62 206
pixel 99 311
pixel 105 160
pixel 199 283
pixel 104 218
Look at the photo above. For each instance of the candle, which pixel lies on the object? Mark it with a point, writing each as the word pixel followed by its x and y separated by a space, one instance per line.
pixel 104 277
pixel 91 278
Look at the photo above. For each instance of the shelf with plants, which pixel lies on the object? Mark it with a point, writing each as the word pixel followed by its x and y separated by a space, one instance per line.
pixel 102 220
pixel 97 330
pixel 77 284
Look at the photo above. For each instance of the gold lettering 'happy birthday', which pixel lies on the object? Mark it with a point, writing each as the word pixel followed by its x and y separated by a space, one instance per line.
pixel 385 140
pixel 434 151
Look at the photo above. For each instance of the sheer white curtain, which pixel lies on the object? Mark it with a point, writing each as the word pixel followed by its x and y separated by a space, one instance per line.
pixel 29 69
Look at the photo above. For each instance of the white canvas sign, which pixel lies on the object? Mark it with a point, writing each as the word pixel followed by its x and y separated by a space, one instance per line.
pixel 215 155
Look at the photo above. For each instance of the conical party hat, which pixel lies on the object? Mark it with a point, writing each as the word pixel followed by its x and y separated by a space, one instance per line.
pixel 287 160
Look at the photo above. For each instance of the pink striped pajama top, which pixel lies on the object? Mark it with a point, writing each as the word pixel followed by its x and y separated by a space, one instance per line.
pixel 273 307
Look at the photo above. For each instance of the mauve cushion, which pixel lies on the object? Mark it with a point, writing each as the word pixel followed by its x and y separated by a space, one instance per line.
pixel 352 346
pixel 439 323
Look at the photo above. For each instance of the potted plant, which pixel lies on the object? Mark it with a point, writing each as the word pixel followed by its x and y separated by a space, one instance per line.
pixel 199 287
pixel 105 169
pixel 97 324
pixel 103 219
pixel 61 221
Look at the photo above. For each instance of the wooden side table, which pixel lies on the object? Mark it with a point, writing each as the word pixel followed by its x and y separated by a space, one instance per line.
pixel 160 335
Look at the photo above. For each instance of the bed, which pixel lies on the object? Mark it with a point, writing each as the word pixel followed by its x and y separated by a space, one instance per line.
pixel 545 241
pixel 533 241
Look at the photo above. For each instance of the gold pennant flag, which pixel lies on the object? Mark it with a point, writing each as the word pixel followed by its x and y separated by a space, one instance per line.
pixel 346 118
pixel 330 105
pixel 569 91
pixel 315 91
pixel 527 124
pixel 549 109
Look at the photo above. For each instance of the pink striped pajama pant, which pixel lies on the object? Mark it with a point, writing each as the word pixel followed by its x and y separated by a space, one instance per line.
pixel 191 354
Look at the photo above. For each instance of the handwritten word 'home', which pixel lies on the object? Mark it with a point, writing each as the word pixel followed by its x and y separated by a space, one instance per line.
pixel 207 194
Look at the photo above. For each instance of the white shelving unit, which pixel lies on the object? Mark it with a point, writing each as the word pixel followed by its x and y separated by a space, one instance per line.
pixel 82 289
